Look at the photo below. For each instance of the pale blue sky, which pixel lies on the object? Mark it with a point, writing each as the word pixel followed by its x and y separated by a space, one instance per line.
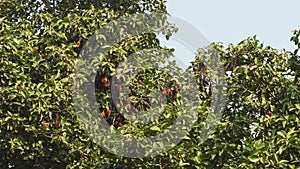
pixel 231 21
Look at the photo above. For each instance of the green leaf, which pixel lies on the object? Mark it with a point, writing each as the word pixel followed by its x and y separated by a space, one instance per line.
pixel 253 158
pixel 155 128
pixel 281 133
pixel 298 106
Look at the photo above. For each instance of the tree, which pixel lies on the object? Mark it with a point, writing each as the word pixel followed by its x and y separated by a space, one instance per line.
pixel 40 42
pixel 259 124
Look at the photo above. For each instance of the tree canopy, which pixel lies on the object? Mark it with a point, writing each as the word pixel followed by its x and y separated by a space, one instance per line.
pixel 40 42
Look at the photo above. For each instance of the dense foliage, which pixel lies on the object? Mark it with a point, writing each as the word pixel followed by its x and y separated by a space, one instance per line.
pixel 39 44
